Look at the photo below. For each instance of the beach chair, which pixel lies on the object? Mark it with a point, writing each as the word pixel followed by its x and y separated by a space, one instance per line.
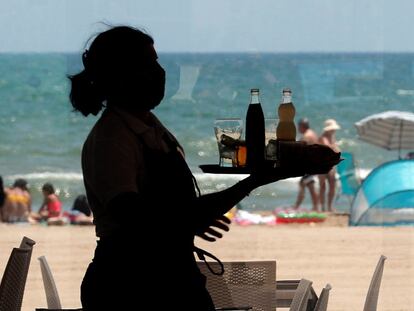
pixel 52 295
pixel 251 284
pixel 322 304
pixel 371 299
pixel 13 282
pixel 286 290
pixel 243 284
pixel 300 299
pixel 27 243
pixel 349 180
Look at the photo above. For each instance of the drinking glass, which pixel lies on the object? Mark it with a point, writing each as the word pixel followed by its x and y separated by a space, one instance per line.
pixel 227 129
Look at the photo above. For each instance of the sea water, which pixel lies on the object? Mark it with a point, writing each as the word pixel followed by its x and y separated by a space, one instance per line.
pixel 41 137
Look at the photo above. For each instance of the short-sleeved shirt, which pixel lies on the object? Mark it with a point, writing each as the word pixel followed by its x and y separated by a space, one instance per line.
pixel 122 154
pixel 113 160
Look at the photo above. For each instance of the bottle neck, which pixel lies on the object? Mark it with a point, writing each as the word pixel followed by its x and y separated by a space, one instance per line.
pixel 286 99
pixel 254 98
pixel 286 96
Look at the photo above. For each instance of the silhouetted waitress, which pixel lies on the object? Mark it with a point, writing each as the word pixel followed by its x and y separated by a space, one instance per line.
pixel 139 187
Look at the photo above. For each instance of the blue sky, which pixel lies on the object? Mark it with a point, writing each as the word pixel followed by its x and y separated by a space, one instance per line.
pixel 214 25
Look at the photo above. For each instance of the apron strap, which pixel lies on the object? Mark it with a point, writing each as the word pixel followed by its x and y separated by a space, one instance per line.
pixel 201 253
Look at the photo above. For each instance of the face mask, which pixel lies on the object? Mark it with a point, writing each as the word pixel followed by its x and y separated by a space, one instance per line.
pixel 143 89
pixel 156 87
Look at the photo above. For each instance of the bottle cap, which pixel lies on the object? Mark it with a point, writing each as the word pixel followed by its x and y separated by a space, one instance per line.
pixel 286 91
pixel 254 90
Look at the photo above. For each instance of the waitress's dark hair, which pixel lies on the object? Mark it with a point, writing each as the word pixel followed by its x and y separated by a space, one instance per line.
pixel 107 62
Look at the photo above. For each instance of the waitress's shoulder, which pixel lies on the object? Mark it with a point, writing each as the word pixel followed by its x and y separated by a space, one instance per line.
pixel 111 127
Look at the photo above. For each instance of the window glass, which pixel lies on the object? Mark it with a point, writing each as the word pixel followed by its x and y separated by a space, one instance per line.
pixel 342 60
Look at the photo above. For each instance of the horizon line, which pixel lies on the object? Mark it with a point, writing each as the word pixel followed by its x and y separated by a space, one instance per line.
pixel 228 52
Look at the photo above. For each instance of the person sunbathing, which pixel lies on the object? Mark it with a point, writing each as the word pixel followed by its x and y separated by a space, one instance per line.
pixel 51 208
pixel 17 202
pixel 80 213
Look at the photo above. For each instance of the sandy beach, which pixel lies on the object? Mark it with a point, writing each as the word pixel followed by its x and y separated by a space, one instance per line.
pixel 330 252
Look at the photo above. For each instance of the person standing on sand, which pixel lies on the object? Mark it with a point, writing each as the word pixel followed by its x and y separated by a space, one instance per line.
pixel 328 138
pixel 142 193
pixel 308 181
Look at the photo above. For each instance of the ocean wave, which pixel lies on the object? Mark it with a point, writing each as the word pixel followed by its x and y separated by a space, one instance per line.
pixel 218 177
pixel 206 178
pixel 203 177
pixel 49 176
pixel 347 143
pixel 363 172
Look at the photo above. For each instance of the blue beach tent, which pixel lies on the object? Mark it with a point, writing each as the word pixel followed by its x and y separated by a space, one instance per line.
pixel 348 177
pixel 386 197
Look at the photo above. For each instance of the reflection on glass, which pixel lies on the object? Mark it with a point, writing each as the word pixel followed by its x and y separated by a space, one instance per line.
pixel 188 79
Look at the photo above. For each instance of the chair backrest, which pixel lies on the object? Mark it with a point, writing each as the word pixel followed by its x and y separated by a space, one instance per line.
pixel 322 304
pixel 248 283
pixel 27 243
pixel 52 295
pixel 286 290
pixel 347 172
pixel 373 292
pixel 300 300
pixel 14 278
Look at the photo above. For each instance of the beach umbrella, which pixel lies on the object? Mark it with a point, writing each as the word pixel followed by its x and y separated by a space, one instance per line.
pixel 392 130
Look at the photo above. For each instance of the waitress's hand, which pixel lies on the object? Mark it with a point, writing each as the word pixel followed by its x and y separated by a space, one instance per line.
pixel 210 234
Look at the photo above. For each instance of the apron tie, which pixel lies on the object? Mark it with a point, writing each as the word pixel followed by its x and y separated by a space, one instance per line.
pixel 201 253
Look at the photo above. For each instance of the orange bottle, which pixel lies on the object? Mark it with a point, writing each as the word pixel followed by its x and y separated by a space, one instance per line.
pixel 286 129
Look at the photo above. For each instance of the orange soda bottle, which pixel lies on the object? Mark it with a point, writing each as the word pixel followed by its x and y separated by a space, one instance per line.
pixel 286 129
